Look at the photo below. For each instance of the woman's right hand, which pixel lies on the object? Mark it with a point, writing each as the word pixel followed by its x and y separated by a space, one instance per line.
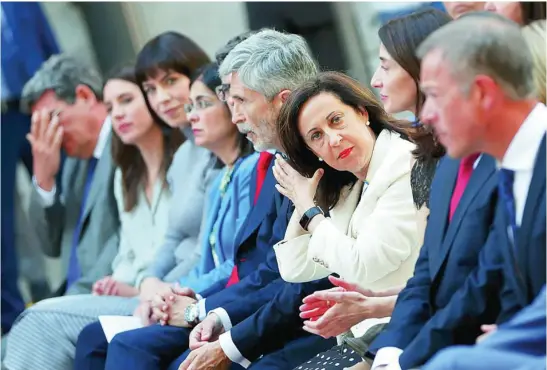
pixel 151 286
pixel 144 312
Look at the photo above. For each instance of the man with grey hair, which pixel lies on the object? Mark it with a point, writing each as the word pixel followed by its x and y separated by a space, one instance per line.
pixel 229 324
pixel 79 221
pixel 476 76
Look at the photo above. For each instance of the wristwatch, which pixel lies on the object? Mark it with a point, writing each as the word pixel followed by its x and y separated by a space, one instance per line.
pixel 191 314
pixel 309 215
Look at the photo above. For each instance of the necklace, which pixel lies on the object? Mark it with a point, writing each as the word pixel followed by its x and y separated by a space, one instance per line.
pixel 224 182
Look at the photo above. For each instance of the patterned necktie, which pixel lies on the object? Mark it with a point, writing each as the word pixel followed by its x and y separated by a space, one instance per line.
pixel 74 273
pixel 507 178
pixel 464 175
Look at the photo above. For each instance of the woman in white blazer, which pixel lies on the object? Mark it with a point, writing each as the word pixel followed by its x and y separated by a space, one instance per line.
pixel 397 79
pixel 347 158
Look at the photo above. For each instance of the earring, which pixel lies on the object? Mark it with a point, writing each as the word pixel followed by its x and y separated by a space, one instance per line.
pixel 367 123
pixel 320 159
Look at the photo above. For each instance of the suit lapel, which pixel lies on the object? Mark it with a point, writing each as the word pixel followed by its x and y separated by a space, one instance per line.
pixel 484 171
pixel 102 173
pixel 533 201
pixel 440 206
pixel 260 209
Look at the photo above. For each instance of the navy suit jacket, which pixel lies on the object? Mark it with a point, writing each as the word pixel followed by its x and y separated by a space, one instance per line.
pixel 265 225
pixel 449 253
pixel 27 42
pixel 505 275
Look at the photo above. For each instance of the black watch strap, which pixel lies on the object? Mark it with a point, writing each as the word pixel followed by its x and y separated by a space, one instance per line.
pixel 309 215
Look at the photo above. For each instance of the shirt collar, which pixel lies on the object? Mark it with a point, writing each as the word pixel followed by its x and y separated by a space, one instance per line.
pixel 522 151
pixel 103 138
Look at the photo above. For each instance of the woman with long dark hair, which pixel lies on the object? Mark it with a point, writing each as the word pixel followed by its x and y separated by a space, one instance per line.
pixel 397 78
pixel 521 12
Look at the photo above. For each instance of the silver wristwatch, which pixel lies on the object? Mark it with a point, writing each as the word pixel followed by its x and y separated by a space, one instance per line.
pixel 191 314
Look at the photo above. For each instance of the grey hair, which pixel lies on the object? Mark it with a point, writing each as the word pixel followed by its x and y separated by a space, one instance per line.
pixel 484 43
pixel 61 73
pixel 270 61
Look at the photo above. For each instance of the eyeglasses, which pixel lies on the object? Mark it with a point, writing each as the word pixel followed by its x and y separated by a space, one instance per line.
pixel 223 92
pixel 200 105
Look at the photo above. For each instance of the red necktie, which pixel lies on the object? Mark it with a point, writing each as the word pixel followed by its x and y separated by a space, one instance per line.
pixel 464 174
pixel 261 171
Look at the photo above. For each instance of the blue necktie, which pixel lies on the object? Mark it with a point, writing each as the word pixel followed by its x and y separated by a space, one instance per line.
pixel 73 273
pixel 507 178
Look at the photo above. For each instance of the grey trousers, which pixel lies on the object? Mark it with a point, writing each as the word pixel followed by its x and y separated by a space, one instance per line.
pixel 44 336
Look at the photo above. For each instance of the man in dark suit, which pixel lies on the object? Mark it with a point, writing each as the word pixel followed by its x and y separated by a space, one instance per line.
pixel 156 346
pixel 479 98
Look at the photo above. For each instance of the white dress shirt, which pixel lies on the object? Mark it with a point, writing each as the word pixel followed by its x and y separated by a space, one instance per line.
pixel 519 157
pixel 48 197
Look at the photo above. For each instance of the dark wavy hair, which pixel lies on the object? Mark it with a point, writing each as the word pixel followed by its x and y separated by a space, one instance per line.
pixel 301 158
pixel 208 74
pixel 401 37
pixel 128 157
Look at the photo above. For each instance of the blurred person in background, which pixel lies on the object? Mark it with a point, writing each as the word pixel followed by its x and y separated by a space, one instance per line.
pixel 521 12
pixel 458 8
pixel 535 35
pixel 27 41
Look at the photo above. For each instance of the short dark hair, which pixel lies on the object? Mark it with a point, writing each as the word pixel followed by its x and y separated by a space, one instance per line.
pixel 533 11
pixel 208 74
pixel 128 158
pixel 169 51
pixel 301 158
pixel 223 52
pixel 401 37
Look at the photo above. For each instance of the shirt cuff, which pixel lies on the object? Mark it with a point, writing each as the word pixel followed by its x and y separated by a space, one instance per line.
pixel 387 356
pixel 201 308
pixel 230 350
pixel 48 197
pixel 224 318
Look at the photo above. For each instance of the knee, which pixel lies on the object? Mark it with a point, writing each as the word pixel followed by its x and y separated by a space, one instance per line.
pixel 91 339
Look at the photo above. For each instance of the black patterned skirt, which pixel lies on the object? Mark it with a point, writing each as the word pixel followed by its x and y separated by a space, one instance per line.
pixel 338 357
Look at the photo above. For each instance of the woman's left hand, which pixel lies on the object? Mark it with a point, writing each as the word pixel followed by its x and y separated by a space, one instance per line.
pixel 299 189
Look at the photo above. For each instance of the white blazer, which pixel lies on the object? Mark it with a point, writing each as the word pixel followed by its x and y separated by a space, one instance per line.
pixel 374 240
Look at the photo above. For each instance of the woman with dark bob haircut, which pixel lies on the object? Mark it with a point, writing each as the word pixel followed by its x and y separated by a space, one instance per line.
pixel 349 176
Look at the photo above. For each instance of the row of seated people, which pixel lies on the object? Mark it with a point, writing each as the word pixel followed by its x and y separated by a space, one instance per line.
pixel 339 186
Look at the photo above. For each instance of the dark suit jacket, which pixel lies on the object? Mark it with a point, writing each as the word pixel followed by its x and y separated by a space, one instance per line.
pixel 265 225
pixel 450 252
pixel 506 276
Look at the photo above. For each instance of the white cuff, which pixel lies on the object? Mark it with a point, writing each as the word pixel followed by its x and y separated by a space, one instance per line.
pixel 48 197
pixel 230 350
pixel 387 356
pixel 201 308
pixel 224 318
pixel 198 297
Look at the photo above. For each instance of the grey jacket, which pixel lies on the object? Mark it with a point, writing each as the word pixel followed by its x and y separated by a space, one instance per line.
pixel 55 225
pixel 190 176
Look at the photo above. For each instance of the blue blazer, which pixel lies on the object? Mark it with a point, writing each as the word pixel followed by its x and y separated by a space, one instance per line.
pixel 450 252
pixel 505 281
pixel 518 344
pixel 265 225
pixel 27 42
pixel 228 212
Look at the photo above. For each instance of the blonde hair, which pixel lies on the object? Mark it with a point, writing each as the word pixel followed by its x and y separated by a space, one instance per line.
pixel 534 34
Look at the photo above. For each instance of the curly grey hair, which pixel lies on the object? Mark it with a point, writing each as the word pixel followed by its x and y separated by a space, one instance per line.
pixel 61 73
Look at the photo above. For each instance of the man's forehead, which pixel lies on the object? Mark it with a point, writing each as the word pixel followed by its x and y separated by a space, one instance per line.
pixel 48 100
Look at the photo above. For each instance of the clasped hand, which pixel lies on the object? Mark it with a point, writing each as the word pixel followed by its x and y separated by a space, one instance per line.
pixel 168 308
pixel 329 313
